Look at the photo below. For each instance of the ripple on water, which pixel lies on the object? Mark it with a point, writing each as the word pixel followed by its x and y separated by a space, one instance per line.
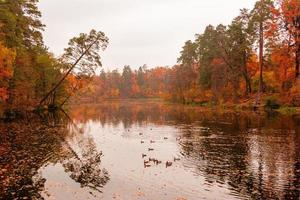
pixel 99 155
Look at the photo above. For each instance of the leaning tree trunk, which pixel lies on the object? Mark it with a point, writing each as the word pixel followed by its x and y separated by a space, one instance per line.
pixel 65 76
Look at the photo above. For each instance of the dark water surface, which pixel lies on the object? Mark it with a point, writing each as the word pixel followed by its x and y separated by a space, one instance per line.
pixel 97 152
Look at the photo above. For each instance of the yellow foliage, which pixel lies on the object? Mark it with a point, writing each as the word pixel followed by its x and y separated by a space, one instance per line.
pixel 272 83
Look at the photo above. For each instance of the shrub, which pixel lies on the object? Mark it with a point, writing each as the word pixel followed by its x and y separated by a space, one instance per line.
pixel 271 103
pixel 287 110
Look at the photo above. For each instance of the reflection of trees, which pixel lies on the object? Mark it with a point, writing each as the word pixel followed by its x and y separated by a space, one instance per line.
pixel 292 187
pixel 127 113
pixel 85 167
pixel 26 147
pixel 88 172
pixel 29 145
pixel 255 155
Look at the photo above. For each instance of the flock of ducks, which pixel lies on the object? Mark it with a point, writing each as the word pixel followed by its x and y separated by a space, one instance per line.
pixel 153 161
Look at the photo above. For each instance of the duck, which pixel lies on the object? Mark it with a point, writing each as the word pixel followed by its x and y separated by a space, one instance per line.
pixel 146 165
pixel 140 133
pixel 176 159
pixel 144 155
pixel 165 138
pixel 152 141
pixel 168 164
pixel 150 149
pixel 178 138
pixel 142 142
pixel 157 162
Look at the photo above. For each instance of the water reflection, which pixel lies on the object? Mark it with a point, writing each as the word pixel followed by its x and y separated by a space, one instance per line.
pixel 260 163
pixel 29 146
pixel 85 167
pixel 255 156
pixel 120 150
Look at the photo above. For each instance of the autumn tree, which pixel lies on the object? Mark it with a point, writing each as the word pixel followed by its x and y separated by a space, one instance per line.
pixel 20 24
pixel 290 11
pixel 141 79
pixel 126 81
pixel 239 48
pixel 7 59
pixel 20 29
pixel 81 57
pixel 207 50
pixel 188 54
pixel 261 21
pixel 114 81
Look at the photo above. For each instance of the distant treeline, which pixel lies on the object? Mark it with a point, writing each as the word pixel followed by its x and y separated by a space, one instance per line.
pixel 257 55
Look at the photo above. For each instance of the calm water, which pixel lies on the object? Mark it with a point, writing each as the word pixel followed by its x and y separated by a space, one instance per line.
pixel 103 152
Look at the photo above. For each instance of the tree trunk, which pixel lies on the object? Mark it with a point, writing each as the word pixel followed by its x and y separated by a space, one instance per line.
pixel 248 84
pixel 297 59
pixel 68 72
pixel 44 84
pixel 65 101
pixel 261 56
pixel 246 75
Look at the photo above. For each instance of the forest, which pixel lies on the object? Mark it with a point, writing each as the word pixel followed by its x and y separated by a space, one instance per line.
pixel 252 61
pixel 221 122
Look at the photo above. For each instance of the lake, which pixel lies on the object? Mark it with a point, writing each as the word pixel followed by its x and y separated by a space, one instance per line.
pixel 149 149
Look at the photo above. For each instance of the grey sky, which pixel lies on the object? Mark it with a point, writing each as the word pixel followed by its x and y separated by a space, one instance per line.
pixel 141 32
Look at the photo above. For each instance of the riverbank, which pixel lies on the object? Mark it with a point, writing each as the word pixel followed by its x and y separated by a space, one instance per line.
pixel 269 103
pixel 264 103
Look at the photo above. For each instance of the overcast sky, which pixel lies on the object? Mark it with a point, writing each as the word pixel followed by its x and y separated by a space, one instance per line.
pixel 141 32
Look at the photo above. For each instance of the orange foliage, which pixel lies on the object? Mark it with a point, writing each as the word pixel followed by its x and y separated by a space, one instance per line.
pixel 252 65
pixel 7 58
pixel 75 83
pixel 283 60
pixel 291 10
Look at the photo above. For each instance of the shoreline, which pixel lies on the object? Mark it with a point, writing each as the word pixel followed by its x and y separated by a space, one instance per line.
pixel 238 107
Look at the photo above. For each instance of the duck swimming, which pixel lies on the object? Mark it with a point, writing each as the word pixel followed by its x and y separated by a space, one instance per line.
pixel 176 159
pixel 168 164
